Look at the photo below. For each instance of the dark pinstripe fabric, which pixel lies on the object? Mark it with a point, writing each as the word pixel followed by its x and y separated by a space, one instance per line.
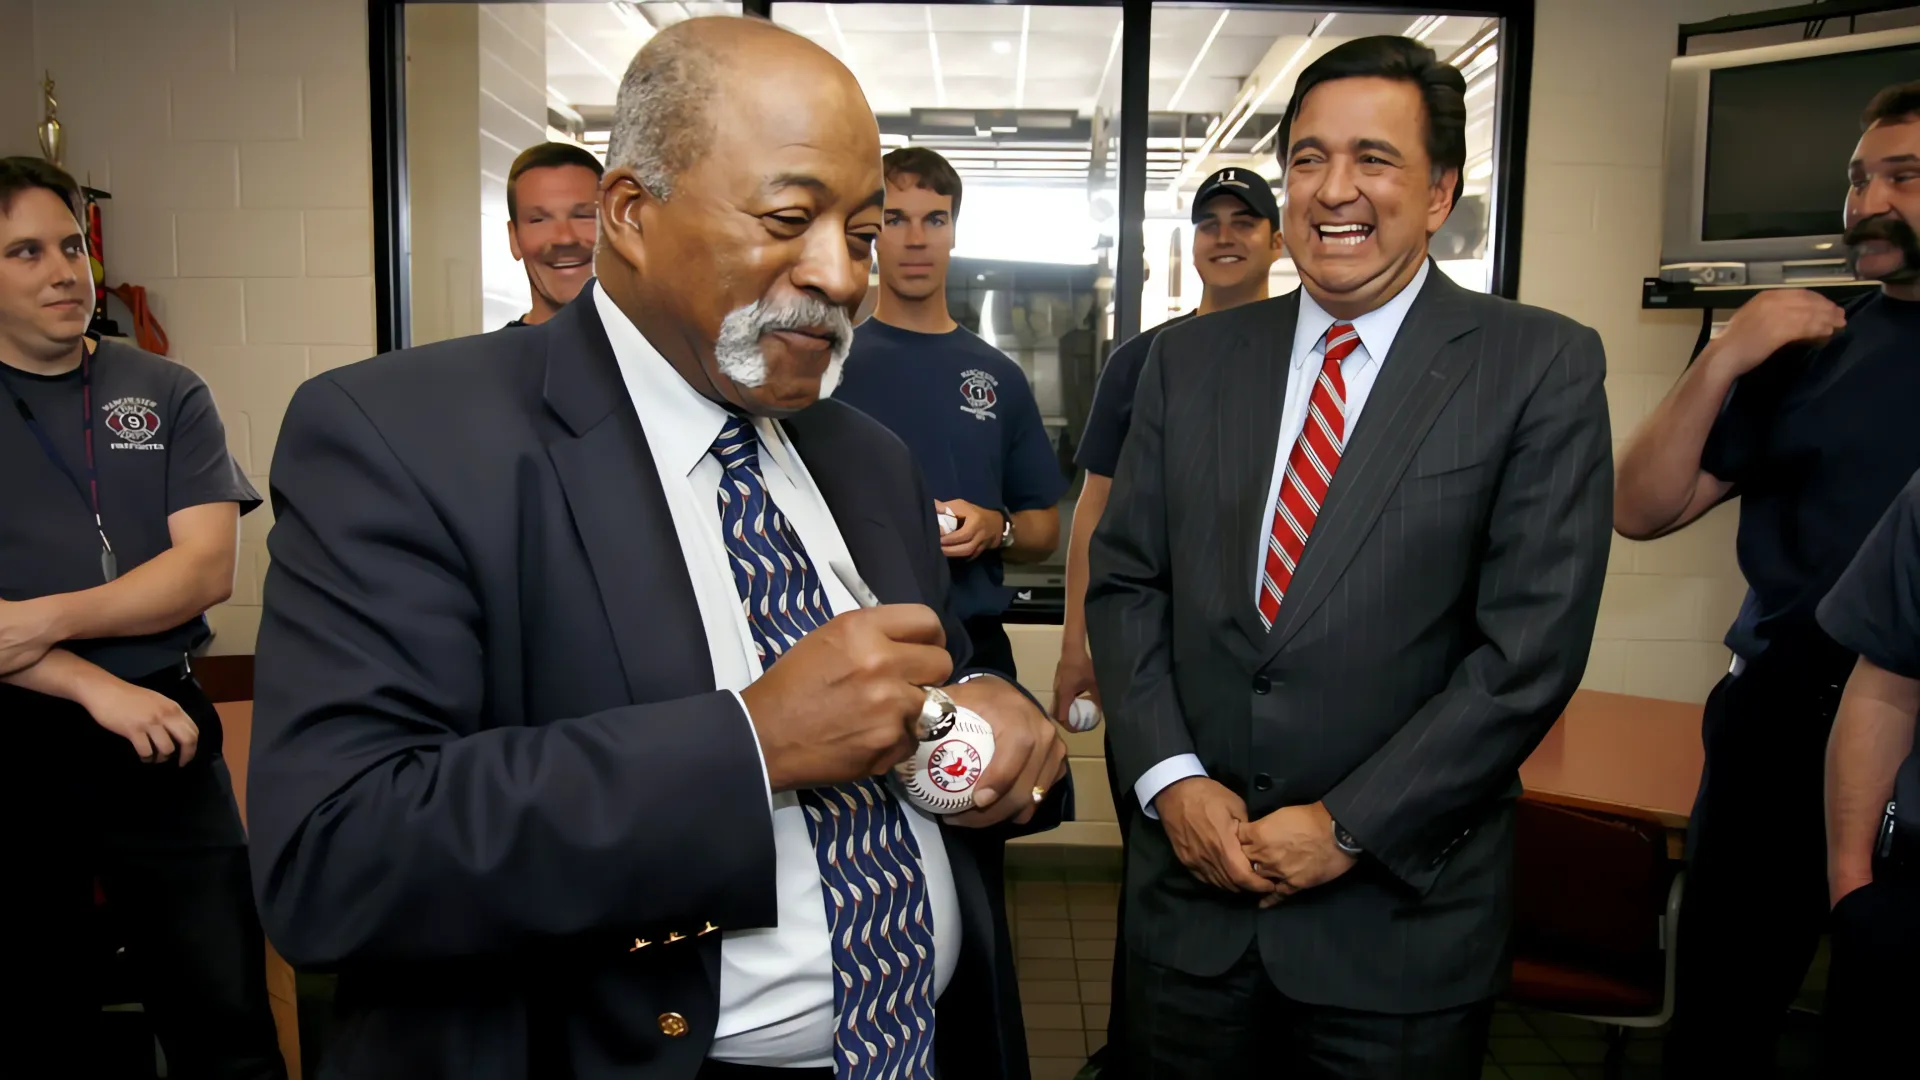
pixel 1438 623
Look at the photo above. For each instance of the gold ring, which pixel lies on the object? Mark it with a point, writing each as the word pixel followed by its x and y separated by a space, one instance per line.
pixel 1039 795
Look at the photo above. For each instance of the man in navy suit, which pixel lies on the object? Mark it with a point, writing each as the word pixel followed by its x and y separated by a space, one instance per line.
pixel 569 712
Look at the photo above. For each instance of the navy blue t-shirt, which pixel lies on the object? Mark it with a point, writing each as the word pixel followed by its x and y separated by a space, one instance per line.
pixel 1875 609
pixel 968 415
pixel 158 447
pixel 1818 442
pixel 1112 412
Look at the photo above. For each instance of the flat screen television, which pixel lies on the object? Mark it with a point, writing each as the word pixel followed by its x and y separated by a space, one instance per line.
pixel 1757 148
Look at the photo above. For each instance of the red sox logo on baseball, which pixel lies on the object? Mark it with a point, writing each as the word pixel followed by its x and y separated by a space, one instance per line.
pixel 954 766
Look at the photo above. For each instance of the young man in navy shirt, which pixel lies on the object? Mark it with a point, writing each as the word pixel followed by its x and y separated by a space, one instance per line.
pixel 1236 240
pixel 1804 409
pixel 960 404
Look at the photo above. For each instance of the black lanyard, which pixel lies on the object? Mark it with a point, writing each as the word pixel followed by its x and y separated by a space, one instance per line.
pixel 90 491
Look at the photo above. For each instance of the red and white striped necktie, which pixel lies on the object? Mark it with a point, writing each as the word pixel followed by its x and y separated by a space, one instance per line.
pixel 1309 473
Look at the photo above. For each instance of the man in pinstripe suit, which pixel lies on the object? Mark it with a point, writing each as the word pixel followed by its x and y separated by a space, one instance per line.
pixel 1346 581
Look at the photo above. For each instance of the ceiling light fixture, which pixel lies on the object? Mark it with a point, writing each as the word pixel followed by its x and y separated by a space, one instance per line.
pixel 1001 47
pixel 1113 50
pixel 630 17
pixel 839 36
pixel 1173 103
pixel 1247 108
pixel 1020 68
pixel 933 51
pixel 1319 29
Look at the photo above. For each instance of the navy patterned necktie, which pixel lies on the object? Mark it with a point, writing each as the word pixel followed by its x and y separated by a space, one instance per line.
pixel 876 895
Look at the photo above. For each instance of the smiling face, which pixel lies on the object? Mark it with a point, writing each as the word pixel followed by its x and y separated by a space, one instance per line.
pixel 1362 200
pixel 556 221
pixel 917 243
pixel 46 286
pixel 1883 204
pixel 747 276
pixel 1233 247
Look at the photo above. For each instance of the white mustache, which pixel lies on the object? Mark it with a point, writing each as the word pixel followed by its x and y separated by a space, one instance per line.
pixel 737 350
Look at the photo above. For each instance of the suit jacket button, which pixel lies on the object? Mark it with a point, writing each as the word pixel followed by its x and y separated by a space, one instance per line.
pixel 673 1025
pixel 1262 684
pixel 1262 782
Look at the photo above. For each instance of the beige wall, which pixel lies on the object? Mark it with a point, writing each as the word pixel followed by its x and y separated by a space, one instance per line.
pixel 513 116
pixel 476 97
pixel 234 137
pixel 443 169
pixel 19 80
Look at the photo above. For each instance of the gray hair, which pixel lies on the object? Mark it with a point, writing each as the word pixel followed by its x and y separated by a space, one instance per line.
pixel 660 119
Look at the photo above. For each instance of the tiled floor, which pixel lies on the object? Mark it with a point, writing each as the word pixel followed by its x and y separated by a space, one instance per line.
pixel 1062 903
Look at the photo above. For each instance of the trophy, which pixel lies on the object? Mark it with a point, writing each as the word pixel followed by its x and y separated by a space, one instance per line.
pixel 53 141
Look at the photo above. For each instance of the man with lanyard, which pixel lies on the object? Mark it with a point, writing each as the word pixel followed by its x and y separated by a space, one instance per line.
pixel 1873 804
pixel 1236 240
pixel 1804 410
pixel 553 216
pixel 962 406
pixel 122 520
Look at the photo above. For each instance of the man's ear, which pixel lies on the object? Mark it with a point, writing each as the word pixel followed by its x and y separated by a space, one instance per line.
pixel 1440 200
pixel 622 202
pixel 513 241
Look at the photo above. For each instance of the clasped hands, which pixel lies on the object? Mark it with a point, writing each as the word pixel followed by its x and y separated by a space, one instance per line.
pixel 837 707
pixel 1273 858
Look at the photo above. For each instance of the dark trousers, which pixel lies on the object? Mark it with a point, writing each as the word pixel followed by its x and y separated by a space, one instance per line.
pixel 991 647
pixel 1239 1025
pixel 1873 985
pixel 1113 1056
pixel 162 843
pixel 1756 894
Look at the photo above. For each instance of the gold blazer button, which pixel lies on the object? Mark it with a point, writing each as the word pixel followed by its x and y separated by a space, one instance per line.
pixel 673 1025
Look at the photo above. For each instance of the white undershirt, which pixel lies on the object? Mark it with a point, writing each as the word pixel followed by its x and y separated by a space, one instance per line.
pixel 776 984
pixel 1377 330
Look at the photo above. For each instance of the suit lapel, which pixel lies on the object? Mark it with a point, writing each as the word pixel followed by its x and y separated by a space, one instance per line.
pixel 878 550
pixel 620 510
pixel 1418 375
pixel 1253 400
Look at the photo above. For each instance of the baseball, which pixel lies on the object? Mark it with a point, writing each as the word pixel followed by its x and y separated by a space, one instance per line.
pixel 940 776
pixel 1083 715
pixel 948 522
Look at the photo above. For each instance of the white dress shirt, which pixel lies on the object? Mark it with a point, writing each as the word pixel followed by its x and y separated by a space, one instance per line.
pixel 1377 329
pixel 776 983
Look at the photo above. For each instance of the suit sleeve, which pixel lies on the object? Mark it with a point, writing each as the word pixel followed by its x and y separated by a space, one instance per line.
pixel 1537 597
pixel 387 822
pixel 1129 594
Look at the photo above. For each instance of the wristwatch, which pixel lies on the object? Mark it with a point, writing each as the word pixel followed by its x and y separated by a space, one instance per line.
pixel 1344 840
pixel 1006 530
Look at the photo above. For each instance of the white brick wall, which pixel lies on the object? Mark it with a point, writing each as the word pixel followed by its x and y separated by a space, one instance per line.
pixel 1594 160
pixel 234 137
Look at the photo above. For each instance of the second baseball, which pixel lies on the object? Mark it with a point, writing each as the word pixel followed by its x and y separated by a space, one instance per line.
pixel 941 775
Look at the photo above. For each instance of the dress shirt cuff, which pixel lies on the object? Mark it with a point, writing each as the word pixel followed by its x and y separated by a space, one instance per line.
pixel 1163 776
pixel 766 781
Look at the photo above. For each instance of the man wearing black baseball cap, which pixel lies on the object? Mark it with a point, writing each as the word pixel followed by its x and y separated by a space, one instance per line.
pixel 1236 240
